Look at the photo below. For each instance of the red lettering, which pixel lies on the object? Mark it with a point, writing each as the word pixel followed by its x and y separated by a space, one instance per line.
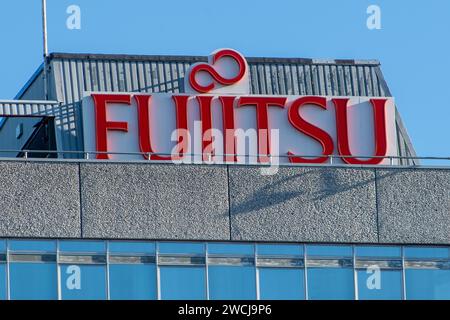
pixel 262 105
pixel 102 125
pixel 379 114
pixel 229 138
pixel 310 130
pixel 181 112
pixel 206 118
pixel 145 145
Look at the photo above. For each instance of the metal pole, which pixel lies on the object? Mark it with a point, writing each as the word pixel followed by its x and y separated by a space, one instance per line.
pixel 44 31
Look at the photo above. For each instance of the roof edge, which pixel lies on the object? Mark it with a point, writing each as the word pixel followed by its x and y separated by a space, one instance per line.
pixel 25 87
pixel 179 58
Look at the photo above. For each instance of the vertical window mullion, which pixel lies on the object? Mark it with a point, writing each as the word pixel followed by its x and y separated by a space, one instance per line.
pixel 108 291
pixel 8 280
pixel 158 277
pixel 206 271
pixel 403 274
pixel 58 271
pixel 258 295
pixel 355 274
pixel 305 275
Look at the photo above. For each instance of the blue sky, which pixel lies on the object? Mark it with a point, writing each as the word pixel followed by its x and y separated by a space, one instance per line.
pixel 413 44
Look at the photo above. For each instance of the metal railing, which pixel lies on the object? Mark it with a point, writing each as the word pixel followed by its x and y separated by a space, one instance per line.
pixel 215 158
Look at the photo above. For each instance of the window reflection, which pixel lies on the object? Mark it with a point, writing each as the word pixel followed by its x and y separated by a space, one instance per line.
pixel 426 253
pixel 2 246
pixel 427 284
pixel 377 251
pixel 330 284
pixel 32 245
pixel 132 281
pixel 329 251
pixel 281 284
pixel 3 294
pixel 188 270
pixel 83 282
pixel 280 249
pixel 375 284
pixel 33 281
pixel 232 282
pixel 181 248
pixel 231 249
pixel 132 247
pixel 82 246
pixel 179 283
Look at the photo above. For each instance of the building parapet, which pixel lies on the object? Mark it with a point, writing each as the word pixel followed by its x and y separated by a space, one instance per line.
pixel 327 204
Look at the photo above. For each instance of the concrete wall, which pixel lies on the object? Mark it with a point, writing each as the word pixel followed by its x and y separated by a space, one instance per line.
pixel 39 199
pixel 165 201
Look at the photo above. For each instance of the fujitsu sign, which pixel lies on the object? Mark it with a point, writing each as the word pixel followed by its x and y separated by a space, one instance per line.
pixel 217 120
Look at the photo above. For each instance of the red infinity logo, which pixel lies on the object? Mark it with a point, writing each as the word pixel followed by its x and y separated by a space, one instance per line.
pixel 214 74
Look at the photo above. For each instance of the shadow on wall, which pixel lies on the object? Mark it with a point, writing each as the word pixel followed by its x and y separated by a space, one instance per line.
pixel 66 126
pixel 329 182
pixel 174 86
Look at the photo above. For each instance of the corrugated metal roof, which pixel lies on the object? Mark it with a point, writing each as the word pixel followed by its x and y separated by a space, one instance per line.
pixel 268 75
pixel 73 74
pixel 190 59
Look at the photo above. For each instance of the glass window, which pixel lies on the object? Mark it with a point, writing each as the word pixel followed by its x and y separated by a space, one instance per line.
pixel 132 281
pixel 281 284
pixel 231 249
pixel 132 247
pixel 275 249
pixel 82 246
pixel 330 284
pixel 232 282
pixel 83 282
pixel 378 251
pixel 329 251
pixel 180 283
pixel 33 281
pixel 181 248
pixel 3 295
pixel 427 252
pixel 32 245
pixel 427 284
pixel 2 246
pixel 376 284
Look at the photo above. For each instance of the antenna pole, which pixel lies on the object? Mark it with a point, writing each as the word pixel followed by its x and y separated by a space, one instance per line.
pixel 44 31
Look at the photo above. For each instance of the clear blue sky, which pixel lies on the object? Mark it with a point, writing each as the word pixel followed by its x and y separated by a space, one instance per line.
pixel 413 44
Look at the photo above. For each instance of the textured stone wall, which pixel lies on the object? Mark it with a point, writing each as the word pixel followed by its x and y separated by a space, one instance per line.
pixel 303 204
pixel 39 199
pixel 197 202
pixel 154 201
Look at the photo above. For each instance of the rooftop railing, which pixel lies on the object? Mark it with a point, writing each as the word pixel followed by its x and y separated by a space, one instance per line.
pixel 216 158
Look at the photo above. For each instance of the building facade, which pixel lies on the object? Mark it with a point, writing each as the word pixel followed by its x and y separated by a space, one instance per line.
pixel 80 228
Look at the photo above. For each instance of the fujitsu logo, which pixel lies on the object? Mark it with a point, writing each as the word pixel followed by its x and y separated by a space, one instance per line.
pixel 226 72
pixel 217 118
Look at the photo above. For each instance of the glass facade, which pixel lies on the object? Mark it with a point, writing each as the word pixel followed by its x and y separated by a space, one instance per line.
pixel 64 269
